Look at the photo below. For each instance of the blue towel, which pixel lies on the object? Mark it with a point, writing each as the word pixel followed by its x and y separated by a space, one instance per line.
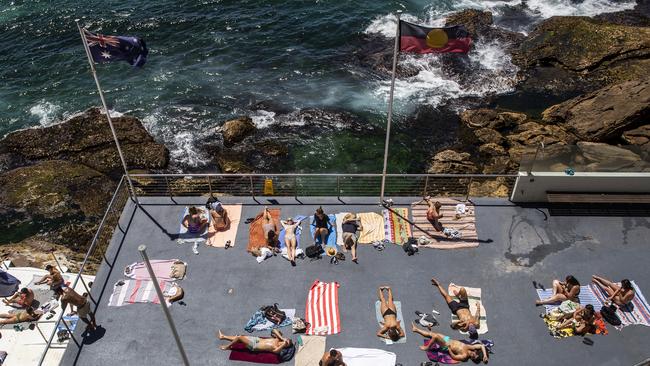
pixel 585 297
pixel 331 237
pixel 298 232
pixel 400 318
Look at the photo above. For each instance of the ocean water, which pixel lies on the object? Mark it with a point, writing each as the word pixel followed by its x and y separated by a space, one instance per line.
pixel 211 60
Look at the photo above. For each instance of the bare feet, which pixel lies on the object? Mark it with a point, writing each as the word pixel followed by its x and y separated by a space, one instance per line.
pixel 434 282
pixel 224 348
pixel 220 335
pixel 424 348
pixel 413 327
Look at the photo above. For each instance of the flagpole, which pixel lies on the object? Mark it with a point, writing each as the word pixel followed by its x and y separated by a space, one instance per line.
pixel 108 115
pixel 390 112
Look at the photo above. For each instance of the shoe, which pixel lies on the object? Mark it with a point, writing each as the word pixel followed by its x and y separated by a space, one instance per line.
pixel 228 243
pixel 356 261
pixel 293 263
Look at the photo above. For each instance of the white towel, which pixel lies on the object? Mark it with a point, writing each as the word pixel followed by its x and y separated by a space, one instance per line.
pixel 367 357
pixel 339 228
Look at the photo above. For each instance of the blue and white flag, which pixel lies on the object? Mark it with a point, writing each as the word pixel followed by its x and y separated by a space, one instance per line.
pixel 116 48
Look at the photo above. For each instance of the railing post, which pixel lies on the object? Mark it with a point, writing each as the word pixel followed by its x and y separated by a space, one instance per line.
pixel 169 191
pixel 426 186
pixel 252 187
pixel 469 187
pixel 210 185
pixel 338 187
pixel 295 188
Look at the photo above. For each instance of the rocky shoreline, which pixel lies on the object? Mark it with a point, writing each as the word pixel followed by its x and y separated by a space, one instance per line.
pixel 588 76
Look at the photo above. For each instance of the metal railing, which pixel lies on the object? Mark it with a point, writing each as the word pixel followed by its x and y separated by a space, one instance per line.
pixel 94 257
pixel 332 185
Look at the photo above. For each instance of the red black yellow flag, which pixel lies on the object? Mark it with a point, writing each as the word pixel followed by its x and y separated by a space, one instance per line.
pixel 419 39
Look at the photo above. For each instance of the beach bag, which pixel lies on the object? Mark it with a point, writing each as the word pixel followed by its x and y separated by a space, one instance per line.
pixel 609 314
pixel 299 325
pixel 452 233
pixel 210 201
pixel 410 247
pixel 314 251
pixel 273 313
pixel 568 306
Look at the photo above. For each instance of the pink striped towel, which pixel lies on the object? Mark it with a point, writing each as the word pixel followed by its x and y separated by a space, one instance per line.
pixel 128 292
pixel 322 310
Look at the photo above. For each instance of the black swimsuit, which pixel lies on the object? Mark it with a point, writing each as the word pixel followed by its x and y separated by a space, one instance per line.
pixel 389 311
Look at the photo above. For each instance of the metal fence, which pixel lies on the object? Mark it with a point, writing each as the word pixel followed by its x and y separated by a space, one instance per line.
pixel 333 185
pixel 94 257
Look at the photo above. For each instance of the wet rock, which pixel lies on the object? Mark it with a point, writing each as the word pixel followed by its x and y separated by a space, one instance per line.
pixel 488 135
pixel 491 118
pixel 604 157
pixel 450 162
pixel 479 24
pixel 603 115
pixel 533 134
pixel 232 162
pixel 237 130
pixel 639 136
pixel 86 138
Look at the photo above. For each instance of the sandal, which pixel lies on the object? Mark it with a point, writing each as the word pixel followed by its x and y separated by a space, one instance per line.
pixel 249 220
pixel 228 244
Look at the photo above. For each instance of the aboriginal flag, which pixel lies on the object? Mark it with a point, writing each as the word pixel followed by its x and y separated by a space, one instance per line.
pixel 418 39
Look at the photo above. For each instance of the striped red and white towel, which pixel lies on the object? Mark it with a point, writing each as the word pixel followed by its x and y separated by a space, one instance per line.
pixel 322 310
pixel 128 292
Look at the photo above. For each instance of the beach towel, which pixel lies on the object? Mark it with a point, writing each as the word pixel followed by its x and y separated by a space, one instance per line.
pixel 339 228
pixel 256 237
pixel 126 292
pixel 465 225
pixel 396 229
pixel 638 312
pixel 283 244
pixel 71 320
pixel 400 318
pixel 373 227
pixel 474 297
pixel 331 237
pixel 164 269
pixel 258 321
pixel 311 351
pixel 42 293
pixel 586 296
pixel 185 236
pixel 239 352
pixel 322 309
pixel 367 357
pixel 435 354
pixel 218 239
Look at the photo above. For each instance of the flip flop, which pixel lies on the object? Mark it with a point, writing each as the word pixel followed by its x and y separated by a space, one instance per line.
pixel 249 220
pixel 228 244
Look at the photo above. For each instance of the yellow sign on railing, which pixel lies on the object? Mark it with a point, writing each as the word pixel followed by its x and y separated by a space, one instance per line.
pixel 268 187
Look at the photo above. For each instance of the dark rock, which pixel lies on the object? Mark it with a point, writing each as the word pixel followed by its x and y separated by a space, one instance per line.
pixel 233 162
pixel 480 26
pixel 237 130
pixel 601 157
pixel 490 118
pixel 450 162
pixel 86 138
pixel 639 136
pixel 488 135
pixel 604 115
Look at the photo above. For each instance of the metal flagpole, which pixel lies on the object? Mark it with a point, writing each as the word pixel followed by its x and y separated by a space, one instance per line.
pixel 143 251
pixel 390 112
pixel 108 115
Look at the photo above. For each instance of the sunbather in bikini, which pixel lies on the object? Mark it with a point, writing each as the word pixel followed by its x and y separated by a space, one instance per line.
pixel 290 238
pixel 619 295
pixel 568 290
pixel 194 221
pixel 21 299
pixel 467 322
pixel 581 320
pixel 219 215
pixel 391 327
pixel 458 351
pixel 28 315
pixel 276 344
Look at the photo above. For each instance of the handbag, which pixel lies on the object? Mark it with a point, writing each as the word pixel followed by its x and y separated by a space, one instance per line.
pixel 314 251
pixel 273 313
pixel 299 325
pixel 609 314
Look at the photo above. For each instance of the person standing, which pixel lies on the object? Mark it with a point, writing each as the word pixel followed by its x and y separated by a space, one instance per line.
pixel 69 296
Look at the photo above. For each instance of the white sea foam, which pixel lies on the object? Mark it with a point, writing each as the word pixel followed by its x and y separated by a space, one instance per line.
pixel 181 141
pixel 46 112
pixel 545 8
pixel 262 118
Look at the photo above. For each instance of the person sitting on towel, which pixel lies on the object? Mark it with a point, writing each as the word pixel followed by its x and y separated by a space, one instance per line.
pixel 220 219
pixel 567 290
pixel 21 299
pixel 433 213
pixel 321 221
pixel 620 295
pixel 276 344
pixel 70 296
pixel 458 351
pixel 351 224
pixel 290 238
pixel 53 278
pixel 194 221
pixel 466 321
pixel 29 315
pixel 391 327
pixel 332 358
pixel 581 320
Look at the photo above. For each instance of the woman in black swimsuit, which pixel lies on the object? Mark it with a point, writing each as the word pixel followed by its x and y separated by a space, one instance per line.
pixel 391 327
pixel 321 221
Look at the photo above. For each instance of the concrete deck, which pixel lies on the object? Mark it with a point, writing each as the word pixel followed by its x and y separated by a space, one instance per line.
pixel 525 245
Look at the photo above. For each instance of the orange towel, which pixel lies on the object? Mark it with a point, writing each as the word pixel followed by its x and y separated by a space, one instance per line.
pixel 256 237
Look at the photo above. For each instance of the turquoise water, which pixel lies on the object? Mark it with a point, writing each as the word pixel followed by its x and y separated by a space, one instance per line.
pixel 212 60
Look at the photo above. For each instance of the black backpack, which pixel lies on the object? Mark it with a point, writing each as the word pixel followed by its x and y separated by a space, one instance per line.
pixel 314 251
pixel 609 314
pixel 211 200
pixel 410 247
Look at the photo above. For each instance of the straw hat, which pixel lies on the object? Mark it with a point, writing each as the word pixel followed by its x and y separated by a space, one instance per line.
pixel 349 217
pixel 331 251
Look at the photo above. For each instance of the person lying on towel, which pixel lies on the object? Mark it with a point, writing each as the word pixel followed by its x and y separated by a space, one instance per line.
pixel 21 299
pixel 620 295
pixel 351 224
pixel 567 290
pixel 290 238
pixel 332 358
pixel 276 344
pixel 458 351
pixel 28 315
pixel 391 328
pixel 194 221
pixel 467 322
pixel 220 219
pixel 582 320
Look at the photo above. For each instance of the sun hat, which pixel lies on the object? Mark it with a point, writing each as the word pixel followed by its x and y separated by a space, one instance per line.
pixel 331 251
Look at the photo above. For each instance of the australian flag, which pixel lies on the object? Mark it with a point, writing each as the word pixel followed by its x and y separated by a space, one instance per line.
pixel 115 48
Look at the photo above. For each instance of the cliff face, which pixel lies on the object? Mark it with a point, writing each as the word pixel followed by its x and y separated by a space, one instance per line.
pixel 55 182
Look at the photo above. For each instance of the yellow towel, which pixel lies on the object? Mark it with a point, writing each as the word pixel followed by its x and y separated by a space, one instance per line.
pixel 373 227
